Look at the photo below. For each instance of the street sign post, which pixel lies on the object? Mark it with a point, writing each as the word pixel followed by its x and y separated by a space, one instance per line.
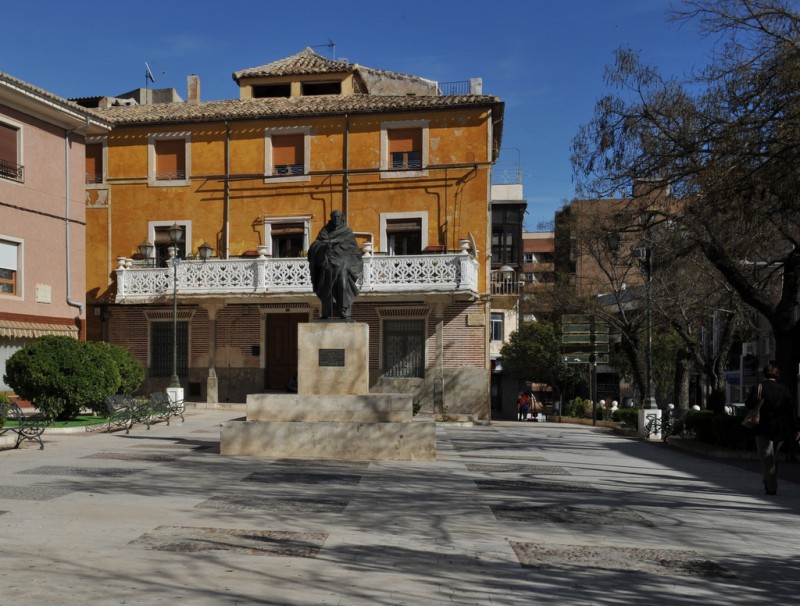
pixel 585 341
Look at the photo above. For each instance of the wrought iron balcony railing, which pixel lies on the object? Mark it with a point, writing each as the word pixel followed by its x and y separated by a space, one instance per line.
pixel 13 171
pixel 440 273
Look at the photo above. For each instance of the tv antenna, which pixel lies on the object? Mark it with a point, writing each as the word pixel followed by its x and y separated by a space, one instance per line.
pixel 331 45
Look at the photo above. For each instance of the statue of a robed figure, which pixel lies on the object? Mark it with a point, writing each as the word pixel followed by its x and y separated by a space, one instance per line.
pixel 334 260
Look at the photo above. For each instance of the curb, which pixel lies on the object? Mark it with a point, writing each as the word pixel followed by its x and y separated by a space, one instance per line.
pixel 716 452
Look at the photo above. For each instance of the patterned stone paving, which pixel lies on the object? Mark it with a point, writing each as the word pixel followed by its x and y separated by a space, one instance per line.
pixel 551 470
pixel 462 446
pixel 249 542
pixel 672 562
pixel 158 446
pixel 135 456
pixel 514 485
pixel 502 458
pixel 33 493
pixel 355 465
pixel 271 504
pixel 86 472
pixel 594 515
pixel 292 477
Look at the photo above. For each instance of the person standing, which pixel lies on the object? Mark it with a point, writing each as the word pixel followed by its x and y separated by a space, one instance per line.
pixel 523 406
pixel 776 423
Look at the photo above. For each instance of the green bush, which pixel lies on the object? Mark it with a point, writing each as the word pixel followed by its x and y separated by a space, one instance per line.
pixel 60 375
pixel 4 399
pixel 131 371
pixel 700 423
pixel 719 430
pixel 576 408
pixel 627 417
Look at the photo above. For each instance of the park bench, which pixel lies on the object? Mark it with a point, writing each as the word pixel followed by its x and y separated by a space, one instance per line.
pixel 161 408
pixel 27 427
pixel 124 410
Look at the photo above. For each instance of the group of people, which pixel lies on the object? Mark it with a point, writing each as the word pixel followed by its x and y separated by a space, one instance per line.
pixel 777 422
pixel 526 404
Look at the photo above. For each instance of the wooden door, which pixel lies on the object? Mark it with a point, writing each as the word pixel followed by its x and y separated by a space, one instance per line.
pixel 281 349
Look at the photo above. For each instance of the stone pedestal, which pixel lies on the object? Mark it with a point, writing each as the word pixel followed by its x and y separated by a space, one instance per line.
pixel 333 415
pixel 333 358
pixel 645 416
pixel 175 394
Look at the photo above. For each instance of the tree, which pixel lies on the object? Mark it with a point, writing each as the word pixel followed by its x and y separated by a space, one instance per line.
pixel 130 370
pixel 725 143
pixel 61 375
pixel 533 353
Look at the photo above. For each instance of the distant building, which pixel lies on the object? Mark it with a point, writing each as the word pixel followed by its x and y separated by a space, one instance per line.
pixel 538 275
pixel 508 214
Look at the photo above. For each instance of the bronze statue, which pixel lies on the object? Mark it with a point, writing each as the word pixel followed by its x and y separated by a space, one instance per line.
pixel 334 260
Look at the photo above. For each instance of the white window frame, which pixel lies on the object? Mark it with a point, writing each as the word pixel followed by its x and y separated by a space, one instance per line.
pixel 287 130
pixel 270 221
pixel 104 142
pixel 386 217
pixel 187 237
pixel 502 322
pixel 151 159
pixel 20 147
pixel 20 263
pixel 386 173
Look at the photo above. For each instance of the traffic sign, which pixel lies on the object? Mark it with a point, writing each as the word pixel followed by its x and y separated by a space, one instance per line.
pixel 587 339
pixel 576 319
pixel 584 358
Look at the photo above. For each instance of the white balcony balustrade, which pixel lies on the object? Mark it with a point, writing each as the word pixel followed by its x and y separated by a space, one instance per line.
pixel 439 273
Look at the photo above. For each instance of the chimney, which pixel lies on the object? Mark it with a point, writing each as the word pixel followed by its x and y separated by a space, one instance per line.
pixel 193 89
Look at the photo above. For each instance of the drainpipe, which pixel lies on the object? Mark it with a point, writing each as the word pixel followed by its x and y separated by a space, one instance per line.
pixel 227 195
pixel 345 195
pixel 67 144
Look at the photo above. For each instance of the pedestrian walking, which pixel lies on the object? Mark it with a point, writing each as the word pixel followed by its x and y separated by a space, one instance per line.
pixel 523 406
pixel 777 422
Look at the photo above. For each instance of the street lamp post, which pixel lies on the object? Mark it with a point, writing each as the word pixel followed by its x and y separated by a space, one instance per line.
pixel 175 233
pixel 646 253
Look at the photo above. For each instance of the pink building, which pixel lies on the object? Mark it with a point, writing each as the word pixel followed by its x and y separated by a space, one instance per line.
pixel 42 215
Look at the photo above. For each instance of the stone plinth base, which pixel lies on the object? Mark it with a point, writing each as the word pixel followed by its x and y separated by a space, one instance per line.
pixel 333 358
pixel 376 408
pixel 415 441
pixel 332 415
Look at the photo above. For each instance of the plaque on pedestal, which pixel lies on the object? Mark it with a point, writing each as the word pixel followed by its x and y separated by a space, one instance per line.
pixel 333 358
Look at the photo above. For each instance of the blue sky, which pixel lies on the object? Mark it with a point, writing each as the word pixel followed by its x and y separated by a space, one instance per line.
pixel 544 58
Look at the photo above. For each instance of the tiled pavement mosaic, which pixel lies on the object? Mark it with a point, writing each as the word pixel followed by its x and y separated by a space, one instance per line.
pixel 169 519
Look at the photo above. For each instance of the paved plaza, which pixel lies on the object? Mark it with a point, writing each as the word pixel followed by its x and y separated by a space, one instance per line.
pixel 511 513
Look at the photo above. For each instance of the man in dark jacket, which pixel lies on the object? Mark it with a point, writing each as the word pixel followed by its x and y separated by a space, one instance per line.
pixel 777 422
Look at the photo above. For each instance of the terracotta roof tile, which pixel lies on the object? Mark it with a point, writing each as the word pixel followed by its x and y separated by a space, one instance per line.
pixel 252 109
pixel 304 62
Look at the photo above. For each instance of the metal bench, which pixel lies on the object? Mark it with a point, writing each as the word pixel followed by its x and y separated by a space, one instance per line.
pixel 161 408
pixel 123 411
pixel 28 427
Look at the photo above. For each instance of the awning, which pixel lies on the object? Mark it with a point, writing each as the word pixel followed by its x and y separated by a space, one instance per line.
pixel 32 330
